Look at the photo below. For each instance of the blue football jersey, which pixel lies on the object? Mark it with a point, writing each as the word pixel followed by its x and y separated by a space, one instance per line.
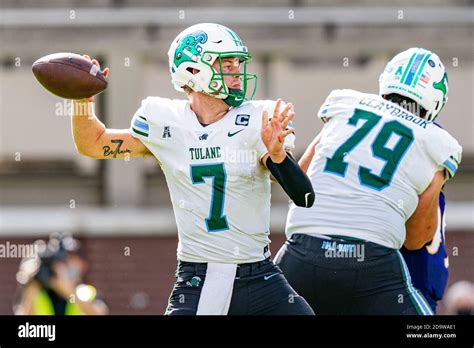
pixel 428 266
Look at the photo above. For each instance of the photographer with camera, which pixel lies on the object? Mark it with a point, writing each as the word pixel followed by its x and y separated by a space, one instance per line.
pixel 51 283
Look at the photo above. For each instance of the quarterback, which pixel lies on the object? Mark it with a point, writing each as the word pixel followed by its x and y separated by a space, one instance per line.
pixel 377 167
pixel 217 150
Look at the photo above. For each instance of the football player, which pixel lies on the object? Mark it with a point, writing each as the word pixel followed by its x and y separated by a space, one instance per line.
pixel 217 150
pixel 377 168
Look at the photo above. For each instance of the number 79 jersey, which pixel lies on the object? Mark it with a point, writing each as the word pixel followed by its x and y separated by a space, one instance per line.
pixel 219 189
pixel 373 161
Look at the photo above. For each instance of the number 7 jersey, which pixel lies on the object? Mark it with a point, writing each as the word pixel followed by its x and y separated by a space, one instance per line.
pixel 373 161
pixel 219 189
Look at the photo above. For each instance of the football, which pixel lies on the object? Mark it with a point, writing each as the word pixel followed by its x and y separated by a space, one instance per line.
pixel 69 75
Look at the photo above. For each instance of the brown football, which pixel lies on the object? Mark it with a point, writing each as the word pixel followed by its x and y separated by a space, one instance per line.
pixel 69 75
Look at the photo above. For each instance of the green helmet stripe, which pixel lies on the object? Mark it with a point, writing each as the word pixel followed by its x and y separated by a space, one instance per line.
pixel 418 73
pixel 408 67
pixel 235 37
pixel 231 33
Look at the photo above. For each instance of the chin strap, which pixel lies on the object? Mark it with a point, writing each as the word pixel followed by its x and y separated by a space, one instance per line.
pixel 236 97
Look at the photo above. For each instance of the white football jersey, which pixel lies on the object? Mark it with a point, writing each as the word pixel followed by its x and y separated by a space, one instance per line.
pixel 219 189
pixel 373 161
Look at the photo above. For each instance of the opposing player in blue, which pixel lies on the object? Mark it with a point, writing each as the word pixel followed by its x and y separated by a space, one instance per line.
pixel 428 266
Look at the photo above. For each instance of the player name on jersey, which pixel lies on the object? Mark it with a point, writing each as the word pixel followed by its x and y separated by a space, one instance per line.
pixel 200 153
pixel 394 110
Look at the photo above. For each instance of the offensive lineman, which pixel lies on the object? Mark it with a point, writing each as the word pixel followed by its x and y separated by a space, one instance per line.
pixel 377 170
pixel 217 150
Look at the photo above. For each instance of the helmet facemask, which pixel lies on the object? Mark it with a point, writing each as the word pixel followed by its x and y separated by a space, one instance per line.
pixel 217 85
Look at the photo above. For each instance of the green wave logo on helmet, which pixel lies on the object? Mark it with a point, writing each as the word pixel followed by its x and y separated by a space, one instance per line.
pixel 441 85
pixel 190 48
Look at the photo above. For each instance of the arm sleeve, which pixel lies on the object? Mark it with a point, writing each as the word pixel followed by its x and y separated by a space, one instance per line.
pixel 293 180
